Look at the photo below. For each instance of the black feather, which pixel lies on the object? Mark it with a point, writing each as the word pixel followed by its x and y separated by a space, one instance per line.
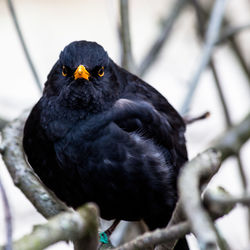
pixel 113 140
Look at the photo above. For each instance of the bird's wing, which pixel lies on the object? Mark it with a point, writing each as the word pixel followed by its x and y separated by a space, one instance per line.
pixel 143 118
pixel 136 89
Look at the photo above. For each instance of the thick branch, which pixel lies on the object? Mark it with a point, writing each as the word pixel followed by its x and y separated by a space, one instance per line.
pixel 22 174
pixel 30 185
pixel 63 227
pixel 203 166
pixel 219 199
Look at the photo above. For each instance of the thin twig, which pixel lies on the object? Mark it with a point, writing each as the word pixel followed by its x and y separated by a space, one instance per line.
pixel 190 120
pixel 221 95
pixel 127 57
pixel 157 237
pixel 210 40
pixel 24 46
pixel 239 55
pixel 228 121
pixel 164 33
pixel 234 46
pixel 8 218
pixel 231 32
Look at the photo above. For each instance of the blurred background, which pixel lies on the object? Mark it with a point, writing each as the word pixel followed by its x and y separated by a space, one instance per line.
pixel 48 26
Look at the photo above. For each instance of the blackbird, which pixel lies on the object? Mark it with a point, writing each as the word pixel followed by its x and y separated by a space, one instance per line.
pixel 101 134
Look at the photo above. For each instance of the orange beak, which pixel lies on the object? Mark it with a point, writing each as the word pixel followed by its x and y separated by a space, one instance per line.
pixel 81 72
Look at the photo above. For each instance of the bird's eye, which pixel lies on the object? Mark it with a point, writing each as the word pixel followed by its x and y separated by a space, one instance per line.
pixel 64 71
pixel 101 72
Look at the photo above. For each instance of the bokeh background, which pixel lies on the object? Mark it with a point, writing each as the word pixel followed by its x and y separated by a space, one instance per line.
pixel 48 26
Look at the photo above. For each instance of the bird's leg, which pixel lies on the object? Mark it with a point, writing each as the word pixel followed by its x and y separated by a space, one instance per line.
pixel 112 228
pixel 104 236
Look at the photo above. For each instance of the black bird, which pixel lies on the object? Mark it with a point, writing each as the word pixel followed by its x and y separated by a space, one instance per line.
pixel 101 134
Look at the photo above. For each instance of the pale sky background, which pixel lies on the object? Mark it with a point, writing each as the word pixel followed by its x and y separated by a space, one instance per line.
pixel 48 26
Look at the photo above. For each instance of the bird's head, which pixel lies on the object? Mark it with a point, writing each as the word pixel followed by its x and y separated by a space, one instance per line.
pixel 85 61
pixel 84 75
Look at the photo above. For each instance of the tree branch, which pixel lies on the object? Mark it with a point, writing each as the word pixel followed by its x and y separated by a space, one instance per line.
pixel 79 225
pixel 127 57
pixel 23 176
pixel 230 32
pixel 220 198
pixel 8 218
pixel 3 123
pixel 210 40
pixel 203 166
pixel 232 140
pixel 156 237
pixel 25 49
pixel 170 234
pixel 164 33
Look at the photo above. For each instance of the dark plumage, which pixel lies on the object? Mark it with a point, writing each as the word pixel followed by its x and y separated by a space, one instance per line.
pixel 112 138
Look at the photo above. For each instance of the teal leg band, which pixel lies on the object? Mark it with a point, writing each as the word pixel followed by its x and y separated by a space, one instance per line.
pixel 103 238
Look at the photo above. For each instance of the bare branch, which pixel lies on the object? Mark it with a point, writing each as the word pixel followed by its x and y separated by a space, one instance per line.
pixel 234 46
pixel 210 40
pixel 239 55
pixel 127 57
pixel 25 49
pixel 221 94
pixel 81 224
pixel 226 113
pixel 8 218
pixel 156 237
pixel 189 120
pixel 176 218
pixel 203 166
pixel 176 229
pixel 230 32
pixel 164 33
pixel 217 199
pixel 3 123
pixel 22 174
pixel 232 140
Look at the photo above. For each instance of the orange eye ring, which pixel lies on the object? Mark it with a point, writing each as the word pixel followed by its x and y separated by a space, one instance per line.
pixel 64 71
pixel 101 72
